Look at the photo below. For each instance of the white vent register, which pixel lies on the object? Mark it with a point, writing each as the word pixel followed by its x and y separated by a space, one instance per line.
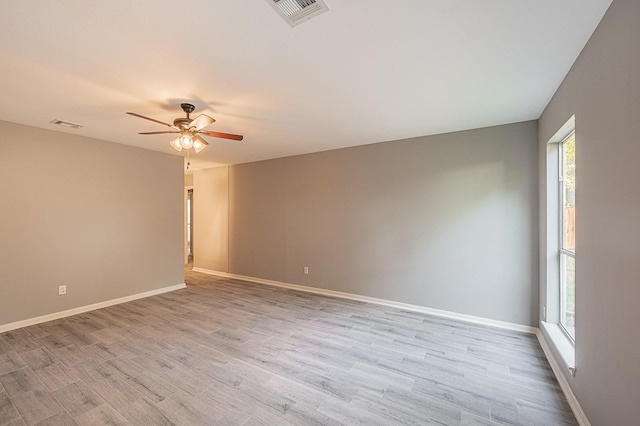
pixel 296 12
pixel 66 124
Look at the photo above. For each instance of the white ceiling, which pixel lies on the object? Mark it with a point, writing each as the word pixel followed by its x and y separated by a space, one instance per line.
pixel 367 71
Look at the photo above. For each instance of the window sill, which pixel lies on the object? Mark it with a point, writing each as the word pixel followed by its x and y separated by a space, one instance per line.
pixel 562 345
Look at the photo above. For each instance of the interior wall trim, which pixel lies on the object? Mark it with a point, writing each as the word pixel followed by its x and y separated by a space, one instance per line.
pixel 87 308
pixel 581 416
pixel 384 302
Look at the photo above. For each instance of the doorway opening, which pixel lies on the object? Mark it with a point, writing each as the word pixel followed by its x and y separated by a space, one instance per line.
pixel 190 227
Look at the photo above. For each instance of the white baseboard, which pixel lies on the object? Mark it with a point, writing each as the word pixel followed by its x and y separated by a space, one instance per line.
pixel 384 302
pixel 87 308
pixel 581 417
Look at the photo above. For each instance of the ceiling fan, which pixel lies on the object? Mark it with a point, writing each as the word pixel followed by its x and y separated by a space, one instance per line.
pixel 189 129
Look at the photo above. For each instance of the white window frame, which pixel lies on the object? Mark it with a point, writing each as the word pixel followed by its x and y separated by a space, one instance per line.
pixel 553 333
pixel 563 253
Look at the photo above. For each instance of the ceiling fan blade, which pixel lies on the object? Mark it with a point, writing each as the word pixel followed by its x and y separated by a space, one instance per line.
pixel 201 121
pixel 201 139
pixel 222 135
pixel 157 133
pixel 152 119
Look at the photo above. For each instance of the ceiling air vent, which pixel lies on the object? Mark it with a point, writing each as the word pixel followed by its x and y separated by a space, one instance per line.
pixel 296 12
pixel 66 124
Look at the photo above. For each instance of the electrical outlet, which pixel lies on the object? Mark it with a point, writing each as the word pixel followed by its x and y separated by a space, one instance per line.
pixel 306 270
pixel 62 290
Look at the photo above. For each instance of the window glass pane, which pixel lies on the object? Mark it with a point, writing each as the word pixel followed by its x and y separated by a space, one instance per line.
pixel 569 193
pixel 568 282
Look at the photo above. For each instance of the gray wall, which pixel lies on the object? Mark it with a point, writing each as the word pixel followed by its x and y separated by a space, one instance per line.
pixel 447 221
pixel 603 91
pixel 102 218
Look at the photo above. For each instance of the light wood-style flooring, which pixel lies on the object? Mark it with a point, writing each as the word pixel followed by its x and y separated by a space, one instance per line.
pixel 229 352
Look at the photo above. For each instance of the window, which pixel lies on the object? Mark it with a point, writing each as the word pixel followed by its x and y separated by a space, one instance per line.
pixel 567 239
pixel 558 245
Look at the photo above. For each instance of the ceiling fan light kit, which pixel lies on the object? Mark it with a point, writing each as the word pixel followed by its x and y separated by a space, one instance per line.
pixel 176 144
pixel 187 141
pixel 189 130
pixel 199 145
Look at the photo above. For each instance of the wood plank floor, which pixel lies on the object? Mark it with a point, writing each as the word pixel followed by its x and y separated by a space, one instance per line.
pixel 234 353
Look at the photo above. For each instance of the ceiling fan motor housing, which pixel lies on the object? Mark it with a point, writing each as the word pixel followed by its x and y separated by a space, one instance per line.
pixel 182 122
